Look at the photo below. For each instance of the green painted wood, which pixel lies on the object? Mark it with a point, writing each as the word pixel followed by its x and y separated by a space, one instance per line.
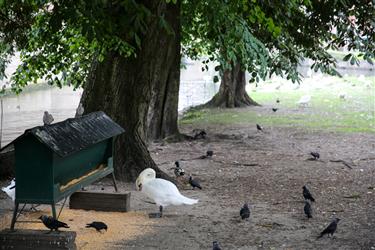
pixel 33 171
pixel 40 172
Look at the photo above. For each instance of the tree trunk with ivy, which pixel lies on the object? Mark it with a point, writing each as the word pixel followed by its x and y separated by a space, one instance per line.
pixel 122 88
pixel 232 92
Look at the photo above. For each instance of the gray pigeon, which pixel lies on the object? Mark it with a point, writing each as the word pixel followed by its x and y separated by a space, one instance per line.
pixel 47 118
pixel 80 110
pixel 215 245
pixel 194 183
pixel 331 229
pixel 51 223
pixel 245 212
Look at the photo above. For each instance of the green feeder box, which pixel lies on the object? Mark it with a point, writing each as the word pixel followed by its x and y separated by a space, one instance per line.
pixel 54 161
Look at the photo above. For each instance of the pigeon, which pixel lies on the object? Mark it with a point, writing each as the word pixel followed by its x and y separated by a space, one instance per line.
pixel 163 192
pixel 316 155
pixel 98 225
pixel 331 229
pixel 178 171
pixel 307 209
pixel 80 110
pixel 307 195
pixel 274 109
pixel 10 189
pixel 245 212
pixel 215 245
pixel 342 95
pixel 47 118
pixel 52 223
pixel 259 128
pixel 194 183
pixel 209 154
pixel 200 135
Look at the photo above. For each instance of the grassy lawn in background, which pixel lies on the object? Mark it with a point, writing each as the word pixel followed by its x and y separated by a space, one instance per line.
pixel 326 111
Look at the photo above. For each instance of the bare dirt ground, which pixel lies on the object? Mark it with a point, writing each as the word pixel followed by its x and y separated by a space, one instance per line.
pixel 273 188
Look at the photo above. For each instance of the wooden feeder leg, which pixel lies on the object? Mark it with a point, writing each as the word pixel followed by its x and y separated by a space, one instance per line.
pixel 114 181
pixel 14 216
pixel 53 210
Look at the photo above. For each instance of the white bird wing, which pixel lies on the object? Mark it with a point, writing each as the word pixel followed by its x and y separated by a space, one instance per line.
pixel 165 193
pixel 10 192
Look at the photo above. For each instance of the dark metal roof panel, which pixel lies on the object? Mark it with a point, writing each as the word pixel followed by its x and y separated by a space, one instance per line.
pixel 75 134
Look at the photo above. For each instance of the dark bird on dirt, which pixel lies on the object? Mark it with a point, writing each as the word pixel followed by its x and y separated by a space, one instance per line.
pixel 200 135
pixel 331 229
pixel 245 212
pixel 52 223
pixel 308 210
pixel 307 195
pixel 259 128
pixel 178 171
pixel 215 245
pixel 274 109
pixel 278 100
pixel 209 154
pixel 98 225
pixel 194 183
pixel 316 155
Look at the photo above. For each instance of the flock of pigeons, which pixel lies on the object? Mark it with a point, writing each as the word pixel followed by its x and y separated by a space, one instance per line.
pixel 165 193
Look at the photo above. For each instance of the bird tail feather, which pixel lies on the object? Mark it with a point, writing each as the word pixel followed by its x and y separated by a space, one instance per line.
pixel 188 201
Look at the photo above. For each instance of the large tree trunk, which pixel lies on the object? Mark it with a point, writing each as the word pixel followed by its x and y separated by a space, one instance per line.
pixel 122 87
pixel 163 110
pixel 232 92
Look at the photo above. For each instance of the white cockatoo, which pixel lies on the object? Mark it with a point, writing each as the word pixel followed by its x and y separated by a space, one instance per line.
pixel 163 192
pixel 304 100
pixel 10 190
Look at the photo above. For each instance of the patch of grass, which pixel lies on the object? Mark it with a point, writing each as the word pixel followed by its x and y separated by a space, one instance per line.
pixel 326 111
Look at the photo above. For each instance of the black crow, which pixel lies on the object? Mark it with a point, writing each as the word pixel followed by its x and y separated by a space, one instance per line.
pixel 308 210
pixel 245 212
pixel 307 195
pixel 215 245
pixel 209 154
pixel 200 135
pixel 178 171
pixel 259 128
pixel 316 155
pixel 331 229
pixel 277 100
pixel 98 225
pixel 274 109
pixel 51 223
pixel 194 183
